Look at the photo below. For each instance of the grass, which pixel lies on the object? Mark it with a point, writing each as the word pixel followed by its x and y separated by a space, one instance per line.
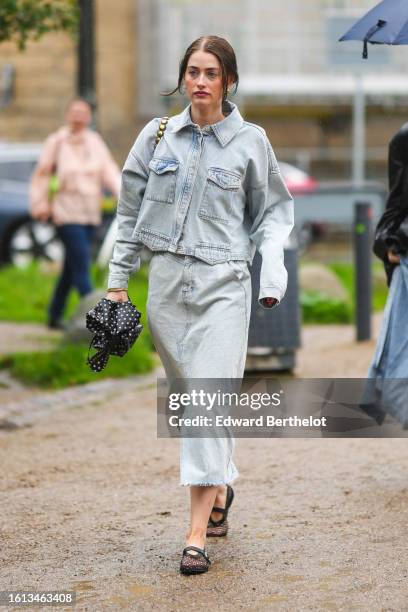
pixel 345 272
pixel 25 292
pixel 24 296
pixel 319 308
pixel 66 365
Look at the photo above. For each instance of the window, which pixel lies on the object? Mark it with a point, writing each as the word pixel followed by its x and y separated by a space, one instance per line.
pixel 16 170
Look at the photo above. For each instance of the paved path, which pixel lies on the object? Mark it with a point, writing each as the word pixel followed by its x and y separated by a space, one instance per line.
pixel 332 351
pixel 16 337
pixel 89 501
pixel 26 337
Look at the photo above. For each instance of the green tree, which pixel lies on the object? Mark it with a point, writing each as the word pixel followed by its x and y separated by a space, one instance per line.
pixel 21 20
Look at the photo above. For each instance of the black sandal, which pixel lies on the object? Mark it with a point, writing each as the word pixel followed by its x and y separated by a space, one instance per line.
pixel 220 528
pixel 194 564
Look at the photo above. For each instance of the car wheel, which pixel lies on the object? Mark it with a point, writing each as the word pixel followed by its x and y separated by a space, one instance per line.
pixel 27 240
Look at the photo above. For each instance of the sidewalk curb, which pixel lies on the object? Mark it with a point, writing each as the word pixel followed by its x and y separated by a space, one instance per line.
pixel 27 412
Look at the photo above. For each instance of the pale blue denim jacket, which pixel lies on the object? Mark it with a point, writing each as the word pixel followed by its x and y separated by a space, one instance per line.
pixel 215 193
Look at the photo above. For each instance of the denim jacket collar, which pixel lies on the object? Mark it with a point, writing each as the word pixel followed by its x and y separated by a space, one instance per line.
pixel 224 130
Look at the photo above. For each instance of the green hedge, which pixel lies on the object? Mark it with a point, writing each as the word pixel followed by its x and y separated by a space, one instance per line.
pixel 318 308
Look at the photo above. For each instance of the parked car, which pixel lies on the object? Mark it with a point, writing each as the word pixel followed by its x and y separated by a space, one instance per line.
pixel 23 239
pixel 17 234
pixel 297 181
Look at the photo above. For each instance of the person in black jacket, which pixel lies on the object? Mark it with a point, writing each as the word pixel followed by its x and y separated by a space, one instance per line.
pixel 385 390
pixel 397 203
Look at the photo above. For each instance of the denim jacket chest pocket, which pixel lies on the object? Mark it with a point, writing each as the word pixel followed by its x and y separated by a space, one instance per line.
pixel 161 185
pixel 220 190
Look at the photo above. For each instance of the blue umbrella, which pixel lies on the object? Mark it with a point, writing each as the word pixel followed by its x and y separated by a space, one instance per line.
pixel 385 24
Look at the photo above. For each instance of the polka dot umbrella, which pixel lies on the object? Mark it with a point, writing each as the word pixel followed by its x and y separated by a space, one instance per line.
pixel 115 326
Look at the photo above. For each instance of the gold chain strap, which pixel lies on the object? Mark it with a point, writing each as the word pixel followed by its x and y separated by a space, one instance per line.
pixel 161 130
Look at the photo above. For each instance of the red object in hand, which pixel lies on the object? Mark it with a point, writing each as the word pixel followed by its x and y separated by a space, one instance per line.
pixel 269 301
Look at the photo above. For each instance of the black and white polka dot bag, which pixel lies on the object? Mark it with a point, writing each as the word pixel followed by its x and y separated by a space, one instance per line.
pixel 115 326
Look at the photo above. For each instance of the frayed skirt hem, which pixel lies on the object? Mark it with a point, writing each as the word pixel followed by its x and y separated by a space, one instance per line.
pixel 205 484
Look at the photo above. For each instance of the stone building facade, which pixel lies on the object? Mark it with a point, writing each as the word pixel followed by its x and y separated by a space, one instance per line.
pixel 45 80
pixel 138 47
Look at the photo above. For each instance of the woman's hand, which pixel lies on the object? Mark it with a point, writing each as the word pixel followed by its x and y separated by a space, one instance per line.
pixel 393 257
pixel 42 212
pixel 268 302
pixel 118 296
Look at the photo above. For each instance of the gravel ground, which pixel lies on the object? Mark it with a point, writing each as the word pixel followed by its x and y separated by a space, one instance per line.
pixel 90 502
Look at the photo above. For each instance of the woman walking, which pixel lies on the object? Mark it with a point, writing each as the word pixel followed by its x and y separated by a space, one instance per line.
pixel 202 201
pixel 83 165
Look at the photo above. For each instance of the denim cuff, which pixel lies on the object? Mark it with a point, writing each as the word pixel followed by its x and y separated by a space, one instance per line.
pixel 117 282
pixel 273 292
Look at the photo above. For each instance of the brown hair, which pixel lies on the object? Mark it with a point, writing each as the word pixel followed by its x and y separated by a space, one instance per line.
pixel 223 52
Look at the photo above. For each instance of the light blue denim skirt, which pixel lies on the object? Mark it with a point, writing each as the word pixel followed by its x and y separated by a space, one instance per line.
pixel 198 315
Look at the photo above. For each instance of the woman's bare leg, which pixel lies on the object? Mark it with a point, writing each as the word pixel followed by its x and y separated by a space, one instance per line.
pixel 220 502
pixel 202 502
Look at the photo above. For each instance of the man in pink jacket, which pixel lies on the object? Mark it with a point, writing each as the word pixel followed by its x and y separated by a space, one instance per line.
pixel 83 164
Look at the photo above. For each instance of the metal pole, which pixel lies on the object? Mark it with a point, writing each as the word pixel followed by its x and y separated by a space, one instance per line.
pixel 359 119
pixel 86 52
pixel 362 260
